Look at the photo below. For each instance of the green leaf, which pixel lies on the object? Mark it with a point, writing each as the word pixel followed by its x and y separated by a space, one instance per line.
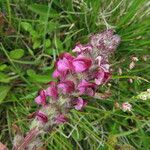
pixel 27 26
pixel 37 77
pixel 4 78
pixel 16 54
pixel 3 67
pixel 36 44
pixel 3 92
pixel 52 26
pixel 47 43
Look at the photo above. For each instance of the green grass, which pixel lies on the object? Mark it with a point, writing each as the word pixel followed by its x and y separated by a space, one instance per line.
pixel 37 31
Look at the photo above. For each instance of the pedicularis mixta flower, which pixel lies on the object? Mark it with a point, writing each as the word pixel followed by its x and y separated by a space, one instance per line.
pixel 76 75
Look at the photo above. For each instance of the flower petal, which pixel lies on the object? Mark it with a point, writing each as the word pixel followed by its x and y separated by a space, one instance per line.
pixel 80 103
pixel 81 64
pixel 66 86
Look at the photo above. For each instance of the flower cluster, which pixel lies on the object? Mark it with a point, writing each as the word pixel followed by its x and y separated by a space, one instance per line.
pixel 76 75
pixel 81 74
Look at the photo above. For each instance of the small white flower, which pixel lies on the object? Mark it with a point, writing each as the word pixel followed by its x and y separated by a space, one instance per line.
pixel 135 59
pixel 126 106
pixel 132 65
pixel 143 97
pixel 148 90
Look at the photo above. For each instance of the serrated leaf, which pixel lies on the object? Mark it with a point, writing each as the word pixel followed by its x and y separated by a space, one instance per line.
pixel 3 92
pixel 16 54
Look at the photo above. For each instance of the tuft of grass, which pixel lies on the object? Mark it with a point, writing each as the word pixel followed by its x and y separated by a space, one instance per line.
pixel 42 30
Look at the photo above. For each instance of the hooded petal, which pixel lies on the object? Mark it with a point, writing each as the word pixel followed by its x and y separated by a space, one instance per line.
pixel 59 74
pixel 52 91
pixel 87 88
pixel 41 99
pixel 79 103
pixel 65 62
pixel 101 77
pixel 66 86
pixel 81 64
pixel 63 65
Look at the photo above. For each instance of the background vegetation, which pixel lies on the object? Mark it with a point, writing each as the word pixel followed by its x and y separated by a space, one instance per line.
pixel 34 32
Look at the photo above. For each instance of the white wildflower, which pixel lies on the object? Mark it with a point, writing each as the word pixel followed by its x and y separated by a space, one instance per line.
pixel 144 95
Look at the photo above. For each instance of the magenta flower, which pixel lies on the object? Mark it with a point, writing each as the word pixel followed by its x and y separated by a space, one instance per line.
pixel 101 77
pixel 52 90
pixel 59 74
pixel 41 116
pixel 79 103
pixel 61 119
pixel 41 99
pixel 81 64
pixel 87 88
pixel 66 87
pixel 65 62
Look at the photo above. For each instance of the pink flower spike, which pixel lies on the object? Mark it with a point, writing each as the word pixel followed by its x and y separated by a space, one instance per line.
pixel 41 99
pixel 87 88
pixel 52 90
pixel 80 103
pixel 41 116
pixel 126 106
pixel 66 86
pixel 81 64
pixel 61 119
